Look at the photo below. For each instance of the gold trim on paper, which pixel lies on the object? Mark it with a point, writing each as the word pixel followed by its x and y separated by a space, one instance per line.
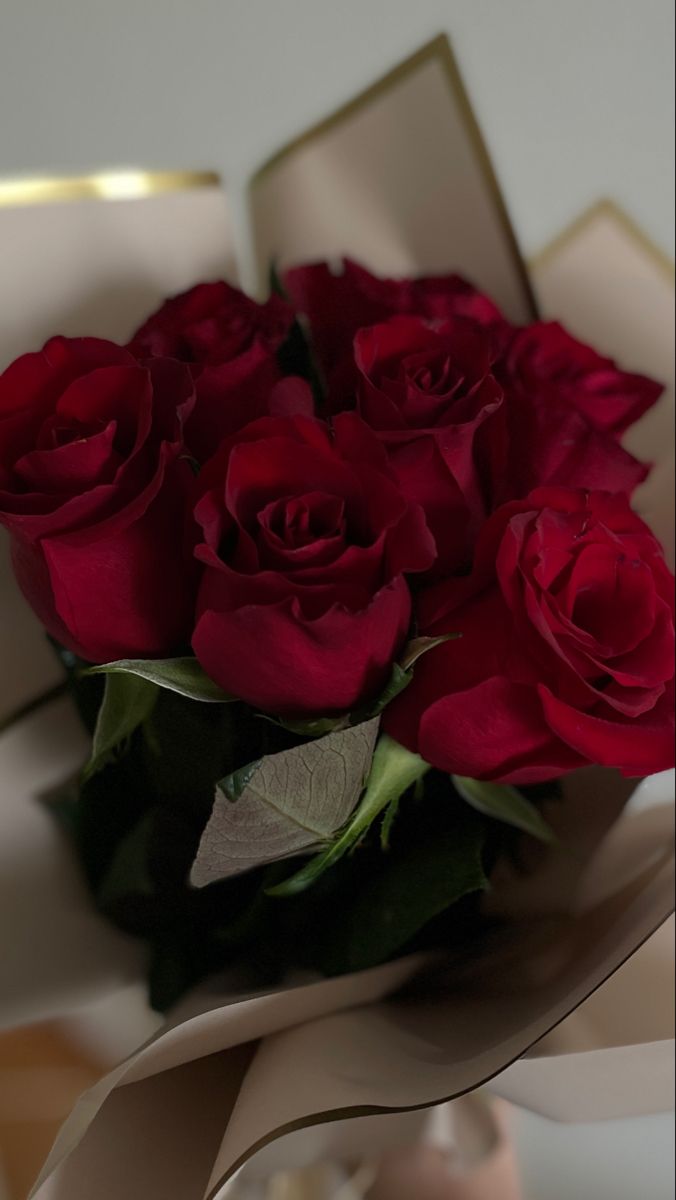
pixel 438 50
pixel 603 208
pixel 104 185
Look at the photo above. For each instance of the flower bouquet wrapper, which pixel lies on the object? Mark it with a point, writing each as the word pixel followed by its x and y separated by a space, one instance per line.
pixel 228 1076
pixel 546 1014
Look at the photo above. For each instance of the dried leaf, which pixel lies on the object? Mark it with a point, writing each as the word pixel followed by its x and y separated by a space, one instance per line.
pixel 285 804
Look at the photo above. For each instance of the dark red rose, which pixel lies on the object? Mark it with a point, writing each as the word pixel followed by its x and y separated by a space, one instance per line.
pixel 463 437
pixel 567 650
pixel 565 408
pixel 303 603
pixel 337 305
pixel 546 362
pixel 212 323
pixel 550 442
pixel 430 395
pixel 94 492
pixel 229 396
pixel 230 342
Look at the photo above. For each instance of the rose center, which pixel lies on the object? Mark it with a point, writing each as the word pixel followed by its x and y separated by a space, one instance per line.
pixel 298 521
pixel 56 433
pixel 440 378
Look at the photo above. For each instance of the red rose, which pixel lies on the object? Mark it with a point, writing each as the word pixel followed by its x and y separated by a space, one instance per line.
pixel 566 407
pixel 430 395
pixel 567 650
pixel 337 305
pixel 303 603
pixel 230 342
pixel 548 363
pixel 212 323
pixel 464 437
pixel 93 490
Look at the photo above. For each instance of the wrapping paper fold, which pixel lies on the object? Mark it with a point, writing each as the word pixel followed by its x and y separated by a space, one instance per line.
pixel 399 178
pixel 231 1072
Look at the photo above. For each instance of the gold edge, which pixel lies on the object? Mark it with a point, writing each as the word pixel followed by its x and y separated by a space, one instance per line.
pixel 366 1110
pixel 603 208
pixel 395 75
pixel 123 184
pixel 438 49
pixel 459 92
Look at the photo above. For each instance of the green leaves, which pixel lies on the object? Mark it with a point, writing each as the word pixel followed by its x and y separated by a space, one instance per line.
pixel 407 892
pixel 504 803
pixel 284 804
pixel 182 675
pixel 128 700
pixel 393 771
pixel 130 694
pixel 128 873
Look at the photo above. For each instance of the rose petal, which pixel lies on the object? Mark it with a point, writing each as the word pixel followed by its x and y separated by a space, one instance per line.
pixel 636 746
pixel 327 665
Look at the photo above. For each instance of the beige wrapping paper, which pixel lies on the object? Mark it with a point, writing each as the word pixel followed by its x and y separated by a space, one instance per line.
pixel 95 254
pixel 230 1073
pixel 611 287
pixel 400 179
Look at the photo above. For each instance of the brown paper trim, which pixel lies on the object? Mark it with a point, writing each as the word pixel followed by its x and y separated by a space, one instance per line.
pixel 604 208
pixel 104 185
pixel 366 1110
pixel 438 50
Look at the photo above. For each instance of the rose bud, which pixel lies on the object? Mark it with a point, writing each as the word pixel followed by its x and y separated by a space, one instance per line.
pixel 230 343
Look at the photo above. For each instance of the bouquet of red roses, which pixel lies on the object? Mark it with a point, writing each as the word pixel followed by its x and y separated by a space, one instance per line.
pixel 343 583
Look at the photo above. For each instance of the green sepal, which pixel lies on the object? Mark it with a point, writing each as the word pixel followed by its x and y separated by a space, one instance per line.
pixel 127 702
pixel 504 803
pixel 393 770
pixel 182 675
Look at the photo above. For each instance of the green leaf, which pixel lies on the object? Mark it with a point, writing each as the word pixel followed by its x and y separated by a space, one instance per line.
pixel 399 679
pixel 182 675
pixel 316 726
pixel 128 874
pixel 388 821
pixel 172 970
pixel 127 702
pixel 407 891
pixel 420 645
pixel 393 770
pixel 402 671
pixel 284 804
pixel 504 803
